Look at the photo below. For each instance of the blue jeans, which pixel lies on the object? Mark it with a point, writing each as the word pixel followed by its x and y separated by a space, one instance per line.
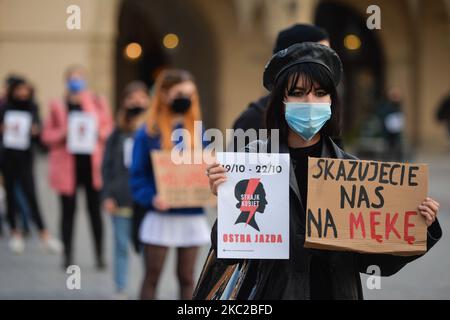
pixel 24 209
pixel 122 238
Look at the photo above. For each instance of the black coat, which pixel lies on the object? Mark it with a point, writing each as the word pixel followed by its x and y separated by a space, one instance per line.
pixel 254 116
pixel 115 174
pixel 290 279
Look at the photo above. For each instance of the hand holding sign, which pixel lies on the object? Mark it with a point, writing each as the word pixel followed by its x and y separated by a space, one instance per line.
pixel 159 204
pixel 429 209
pixel 217 175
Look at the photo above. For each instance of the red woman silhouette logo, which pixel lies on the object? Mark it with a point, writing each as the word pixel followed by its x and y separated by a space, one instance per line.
pixel 252 198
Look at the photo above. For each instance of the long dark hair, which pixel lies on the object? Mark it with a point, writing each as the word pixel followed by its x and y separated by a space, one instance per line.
pixel 16 84
pixel 310 73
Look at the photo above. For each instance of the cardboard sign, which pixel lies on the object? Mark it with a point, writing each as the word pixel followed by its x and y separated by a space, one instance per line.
pixel 181 185
pixel 82 133
pixel 253 207
pixel 17 134
pixel 366 206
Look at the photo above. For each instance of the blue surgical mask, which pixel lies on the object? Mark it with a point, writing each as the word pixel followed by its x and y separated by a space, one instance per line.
pixel 76 85
pixel 306 119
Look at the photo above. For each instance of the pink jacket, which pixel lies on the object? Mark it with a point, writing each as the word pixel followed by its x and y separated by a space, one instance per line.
pixel 61 163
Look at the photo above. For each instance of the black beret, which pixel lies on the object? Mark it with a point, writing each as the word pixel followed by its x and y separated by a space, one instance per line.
pixel 13 79
pixel 299 33
pixel 307 52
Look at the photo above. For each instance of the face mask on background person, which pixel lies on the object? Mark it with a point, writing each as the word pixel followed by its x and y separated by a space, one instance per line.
pixel 306 119
pixel 133 112
pixel 76 85
pixel 181 105
pixel 21 103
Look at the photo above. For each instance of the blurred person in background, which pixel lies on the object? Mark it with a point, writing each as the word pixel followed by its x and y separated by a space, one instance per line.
pixel 69 170
pixel 22 205
pixel 392 123
pixel 175 105
pixel 443 113
pixel 19 117
pixel 3 96
pixel 116 195
pixel 2 206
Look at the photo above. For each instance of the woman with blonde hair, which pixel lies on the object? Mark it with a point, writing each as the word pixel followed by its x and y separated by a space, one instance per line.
pixel 175 105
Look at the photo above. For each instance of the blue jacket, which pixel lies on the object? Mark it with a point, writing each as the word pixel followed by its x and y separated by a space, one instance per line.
pixel 142 180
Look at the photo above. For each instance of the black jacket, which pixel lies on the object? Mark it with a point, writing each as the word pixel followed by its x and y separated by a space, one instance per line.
pixel 115 174
pixel 290 279
pixel 253 116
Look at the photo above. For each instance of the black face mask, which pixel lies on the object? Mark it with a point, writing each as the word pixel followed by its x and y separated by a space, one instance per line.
pixel 21 103
pixel 133 112
pixel 181 105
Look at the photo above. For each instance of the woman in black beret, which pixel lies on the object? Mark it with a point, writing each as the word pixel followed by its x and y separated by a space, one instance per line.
pixel 304 107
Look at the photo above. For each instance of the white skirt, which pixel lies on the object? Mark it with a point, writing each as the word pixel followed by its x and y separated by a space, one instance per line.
pixel 171 230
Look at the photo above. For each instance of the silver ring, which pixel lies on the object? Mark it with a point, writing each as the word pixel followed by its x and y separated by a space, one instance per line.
pixel 207 173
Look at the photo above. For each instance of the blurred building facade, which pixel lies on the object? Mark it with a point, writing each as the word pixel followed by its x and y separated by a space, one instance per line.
pixel 226 43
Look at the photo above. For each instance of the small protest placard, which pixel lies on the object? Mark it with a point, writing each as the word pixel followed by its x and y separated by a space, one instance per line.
pixel 253 206
pixel 181 185
pixel 17 134
pixel 128 152
pixel 82 133
pixel 366 206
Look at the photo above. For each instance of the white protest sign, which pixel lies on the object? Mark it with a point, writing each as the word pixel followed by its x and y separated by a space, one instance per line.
pixel 17 132
pixel 394 122
pixel 253 206
pixel 82 133
pixel 128 152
